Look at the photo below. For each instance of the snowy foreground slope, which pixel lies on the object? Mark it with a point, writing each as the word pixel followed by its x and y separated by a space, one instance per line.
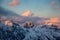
pixel 17 32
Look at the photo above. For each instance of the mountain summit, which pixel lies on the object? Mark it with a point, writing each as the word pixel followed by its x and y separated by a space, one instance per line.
pixel 27 13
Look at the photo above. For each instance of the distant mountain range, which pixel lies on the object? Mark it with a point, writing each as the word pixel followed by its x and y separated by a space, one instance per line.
pixel 21 19
pixel 5 12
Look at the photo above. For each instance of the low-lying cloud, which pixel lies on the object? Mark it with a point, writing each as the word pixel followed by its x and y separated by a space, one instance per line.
pixel 55 21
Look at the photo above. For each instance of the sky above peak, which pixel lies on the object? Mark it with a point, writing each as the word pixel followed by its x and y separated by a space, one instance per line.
pixel 44 8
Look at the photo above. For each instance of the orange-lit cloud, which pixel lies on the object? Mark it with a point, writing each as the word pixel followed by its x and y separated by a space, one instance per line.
pixel 55 21
pixel 27 13
pixel 14 3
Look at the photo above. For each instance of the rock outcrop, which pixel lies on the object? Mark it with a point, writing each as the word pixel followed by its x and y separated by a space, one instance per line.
pixel 28 24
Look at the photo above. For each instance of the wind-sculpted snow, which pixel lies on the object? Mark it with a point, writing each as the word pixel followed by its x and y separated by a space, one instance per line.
pixel 17 32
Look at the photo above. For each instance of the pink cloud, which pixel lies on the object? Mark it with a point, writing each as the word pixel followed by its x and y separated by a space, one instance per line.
pixel 14 3
pixel 58 8
pixel 52 4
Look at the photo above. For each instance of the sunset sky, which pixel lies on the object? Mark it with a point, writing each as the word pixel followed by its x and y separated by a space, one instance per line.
pixel 43 8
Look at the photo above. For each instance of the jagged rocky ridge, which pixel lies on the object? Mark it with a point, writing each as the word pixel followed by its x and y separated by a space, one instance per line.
pixel 17 32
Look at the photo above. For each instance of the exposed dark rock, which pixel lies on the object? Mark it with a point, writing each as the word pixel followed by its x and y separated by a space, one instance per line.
pixel 29 24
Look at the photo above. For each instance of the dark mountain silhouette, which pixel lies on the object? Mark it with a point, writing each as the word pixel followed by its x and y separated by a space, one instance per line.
pixel 4 12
